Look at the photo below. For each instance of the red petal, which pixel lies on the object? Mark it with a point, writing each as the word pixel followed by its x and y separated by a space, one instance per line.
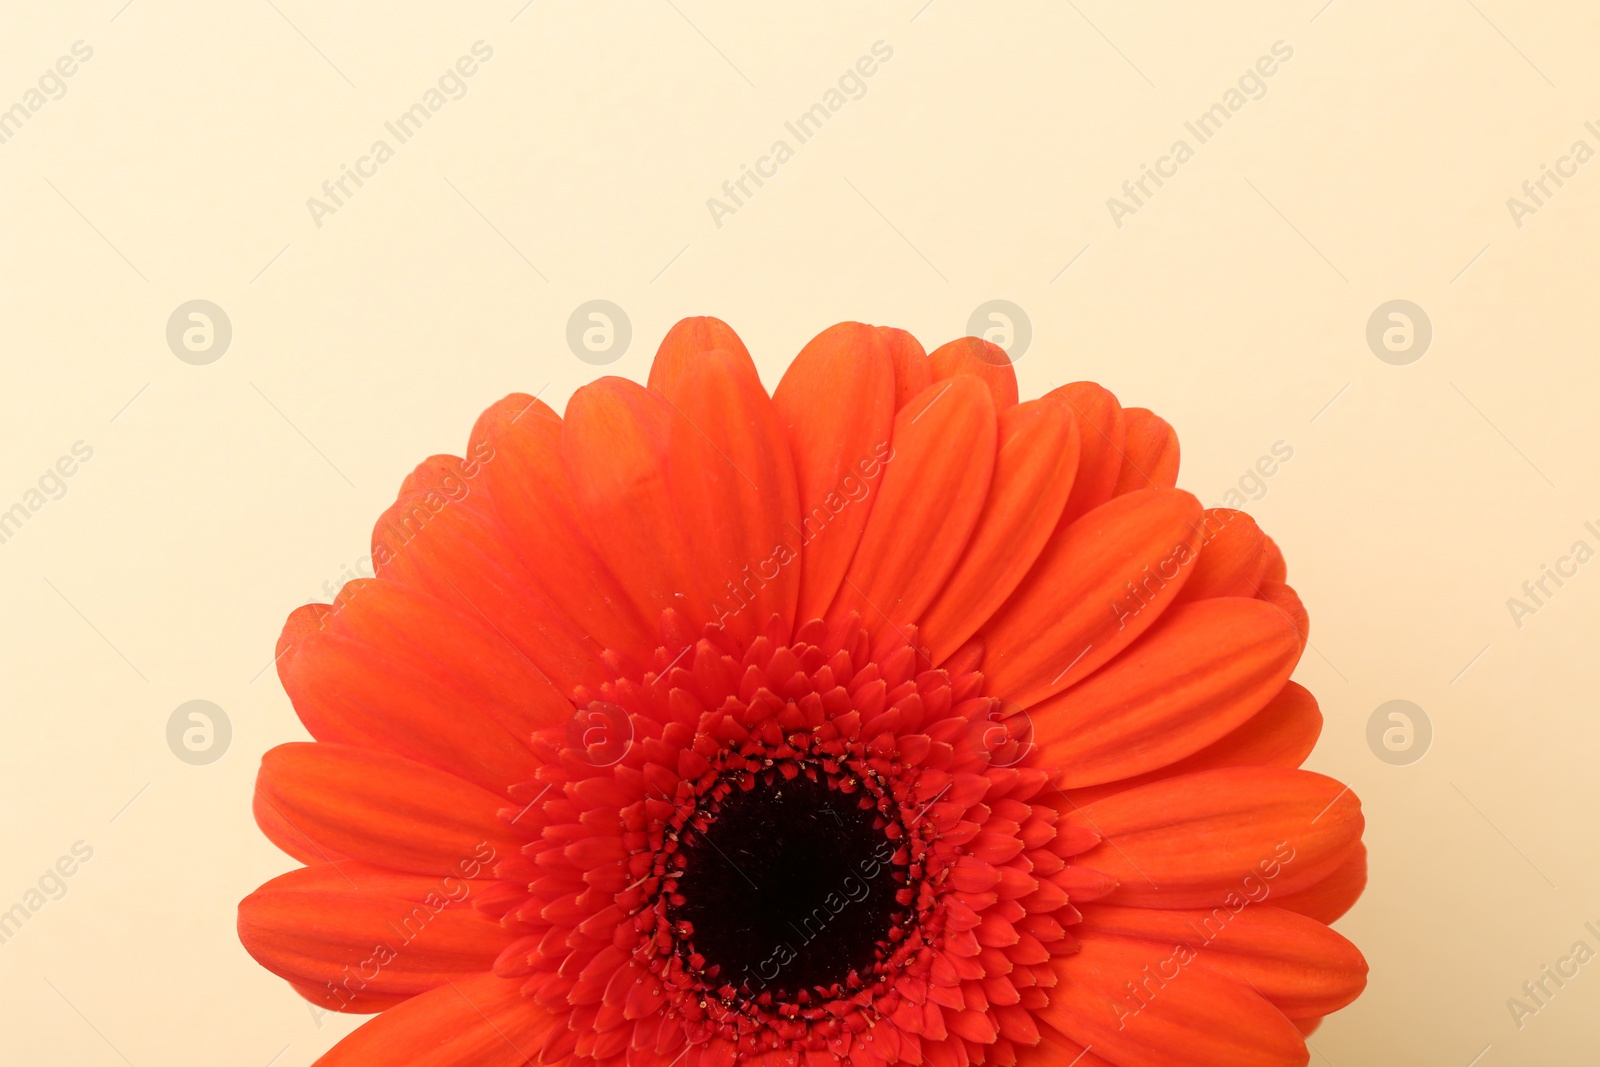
pixel 482 1021
pixel 399 671
pixel 1203 839
pixel 1299 964
pixel 733 486
pixel 1099 584
pixel 1334 895
pixel 1170 1014
pixel 381 809
pixel 980 358
pixel 1100 422
pixel 368 935
pixel 836 403
pixel 1033 472
pixel 1282 734
pixel 1233 557
pixel 528 483
pixel 911 371
pixel 447 540
pixel 1149 452
pixel 1277 570
pixel 289 837
pixel 614 443
pixel 1202 671
pixel 1056 1050
pixel 930 499
pixel 1286 600
pixel 688 340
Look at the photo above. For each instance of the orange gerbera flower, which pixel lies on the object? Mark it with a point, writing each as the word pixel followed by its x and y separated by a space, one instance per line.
pixel 884 720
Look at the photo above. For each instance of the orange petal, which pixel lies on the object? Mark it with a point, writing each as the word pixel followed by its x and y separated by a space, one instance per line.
pixel 983 359
pixel 733 486
pixel 911 372
pixel 383 939
pixel 837 406
pixel 472 877
pixel 1149 452
pixel 339 1000
pixel 483 1021
pixel 289 837
pixel 381 809
pixel 1169 1014
pixel 614 443
pixel 1282 734
pixel 1057 1050
pixel 933 490
pixel 1233 557
pixel 1277 570
pixel 688 340
pixel 527 480
pixel 1334 895
pixel 1201 839
pixel 1033 471
pixel 395 670
pixel 1101 422
pixel 1099 584
pixel 1202 671
pixel 444 537
pixel 1286 600
pixel 1300 965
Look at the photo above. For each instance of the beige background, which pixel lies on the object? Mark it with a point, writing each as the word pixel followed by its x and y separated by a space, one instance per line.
pixel 977 166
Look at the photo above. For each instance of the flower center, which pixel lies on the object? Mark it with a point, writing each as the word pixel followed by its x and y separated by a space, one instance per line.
pixel 789 890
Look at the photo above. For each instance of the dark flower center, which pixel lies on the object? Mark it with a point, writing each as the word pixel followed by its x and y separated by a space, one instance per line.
pixel 789 891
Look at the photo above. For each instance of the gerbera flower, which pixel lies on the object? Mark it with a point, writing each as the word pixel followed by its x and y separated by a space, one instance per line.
pixel 884 720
